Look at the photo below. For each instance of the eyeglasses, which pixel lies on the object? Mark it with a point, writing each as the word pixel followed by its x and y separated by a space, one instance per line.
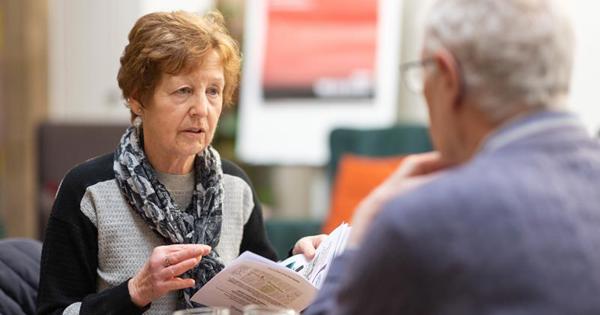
pixel 413 74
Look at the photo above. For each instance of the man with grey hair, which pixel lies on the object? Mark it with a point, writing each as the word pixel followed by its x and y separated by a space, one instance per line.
pixel 505 217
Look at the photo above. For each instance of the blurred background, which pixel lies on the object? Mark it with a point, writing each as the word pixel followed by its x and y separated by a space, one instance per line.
pixel 320 80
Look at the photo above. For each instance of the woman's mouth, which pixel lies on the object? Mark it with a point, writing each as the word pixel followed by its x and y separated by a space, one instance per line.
pixel 196 134
pixel 194 130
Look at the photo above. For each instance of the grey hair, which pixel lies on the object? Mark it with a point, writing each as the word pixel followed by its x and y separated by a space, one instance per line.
pixel 513 54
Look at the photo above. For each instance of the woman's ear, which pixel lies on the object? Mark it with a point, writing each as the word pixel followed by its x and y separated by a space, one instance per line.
pixel 449 70
pixel 135 106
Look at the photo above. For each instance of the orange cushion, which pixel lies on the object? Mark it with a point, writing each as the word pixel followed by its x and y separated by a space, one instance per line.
pixel 356 177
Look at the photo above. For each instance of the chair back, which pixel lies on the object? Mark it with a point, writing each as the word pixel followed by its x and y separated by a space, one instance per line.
pixel 378 142
pixel 361 159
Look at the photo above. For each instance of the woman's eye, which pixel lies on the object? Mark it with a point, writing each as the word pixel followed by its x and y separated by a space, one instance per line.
pixel 184 91
pixel 213 91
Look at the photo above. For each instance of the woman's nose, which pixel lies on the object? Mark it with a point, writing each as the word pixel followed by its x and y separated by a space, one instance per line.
pixel 200 106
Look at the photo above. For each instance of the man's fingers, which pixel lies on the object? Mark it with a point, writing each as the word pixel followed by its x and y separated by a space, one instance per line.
pixel 433 164
pixel 416 165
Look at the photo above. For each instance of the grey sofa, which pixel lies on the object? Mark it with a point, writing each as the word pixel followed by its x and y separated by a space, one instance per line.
pixel 19 275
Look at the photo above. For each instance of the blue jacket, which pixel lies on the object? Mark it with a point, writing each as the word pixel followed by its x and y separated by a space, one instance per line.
pixel 516 230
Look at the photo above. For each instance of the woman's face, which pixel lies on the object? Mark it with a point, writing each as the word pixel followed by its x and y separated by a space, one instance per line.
pixel 180 119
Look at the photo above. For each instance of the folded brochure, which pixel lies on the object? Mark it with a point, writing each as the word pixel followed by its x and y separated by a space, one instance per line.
pixel 292 283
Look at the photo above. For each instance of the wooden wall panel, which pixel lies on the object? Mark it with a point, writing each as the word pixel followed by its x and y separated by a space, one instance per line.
pixel 23 60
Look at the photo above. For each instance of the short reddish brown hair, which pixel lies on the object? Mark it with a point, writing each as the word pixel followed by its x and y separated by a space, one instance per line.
pixel 173 42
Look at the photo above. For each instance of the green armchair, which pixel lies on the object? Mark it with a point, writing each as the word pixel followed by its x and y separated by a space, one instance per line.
pixel 283 233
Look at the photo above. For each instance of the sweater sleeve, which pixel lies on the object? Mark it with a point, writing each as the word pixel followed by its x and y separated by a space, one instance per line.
pixel 254 237
pixel 68 278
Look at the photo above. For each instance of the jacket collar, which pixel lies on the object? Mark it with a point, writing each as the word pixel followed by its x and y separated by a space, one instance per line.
pixel 529 125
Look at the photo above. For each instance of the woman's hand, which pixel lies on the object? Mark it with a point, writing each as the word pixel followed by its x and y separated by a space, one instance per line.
pixel 159 275
pixel 414 171
pixel 308 245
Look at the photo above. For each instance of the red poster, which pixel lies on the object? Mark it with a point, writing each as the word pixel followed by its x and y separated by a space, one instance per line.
pixel 320 49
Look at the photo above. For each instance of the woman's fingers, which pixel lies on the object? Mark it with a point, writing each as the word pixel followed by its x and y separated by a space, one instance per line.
pixel 174 254
pixel 180 252
pixel 304 247
pixel 308 245
pixel 178 284
pixel 185 247
pixel 160 274
pixel 317 239
pixel 179 268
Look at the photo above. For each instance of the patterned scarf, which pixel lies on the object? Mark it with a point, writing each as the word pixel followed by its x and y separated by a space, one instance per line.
pixel 200 223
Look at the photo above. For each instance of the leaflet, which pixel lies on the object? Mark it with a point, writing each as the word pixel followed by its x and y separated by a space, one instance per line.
pixel 292 283
pixel 316 270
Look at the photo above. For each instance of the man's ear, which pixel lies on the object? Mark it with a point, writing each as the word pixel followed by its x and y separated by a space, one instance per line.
pixel 450 72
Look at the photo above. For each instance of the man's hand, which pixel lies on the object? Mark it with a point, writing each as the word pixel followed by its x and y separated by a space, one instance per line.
pixel 160 273
pixel 412 172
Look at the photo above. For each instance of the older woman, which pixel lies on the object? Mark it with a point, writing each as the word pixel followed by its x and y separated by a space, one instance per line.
pixel 143 228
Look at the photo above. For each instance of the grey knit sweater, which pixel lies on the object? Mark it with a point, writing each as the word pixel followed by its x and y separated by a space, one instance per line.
pixel 94 241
